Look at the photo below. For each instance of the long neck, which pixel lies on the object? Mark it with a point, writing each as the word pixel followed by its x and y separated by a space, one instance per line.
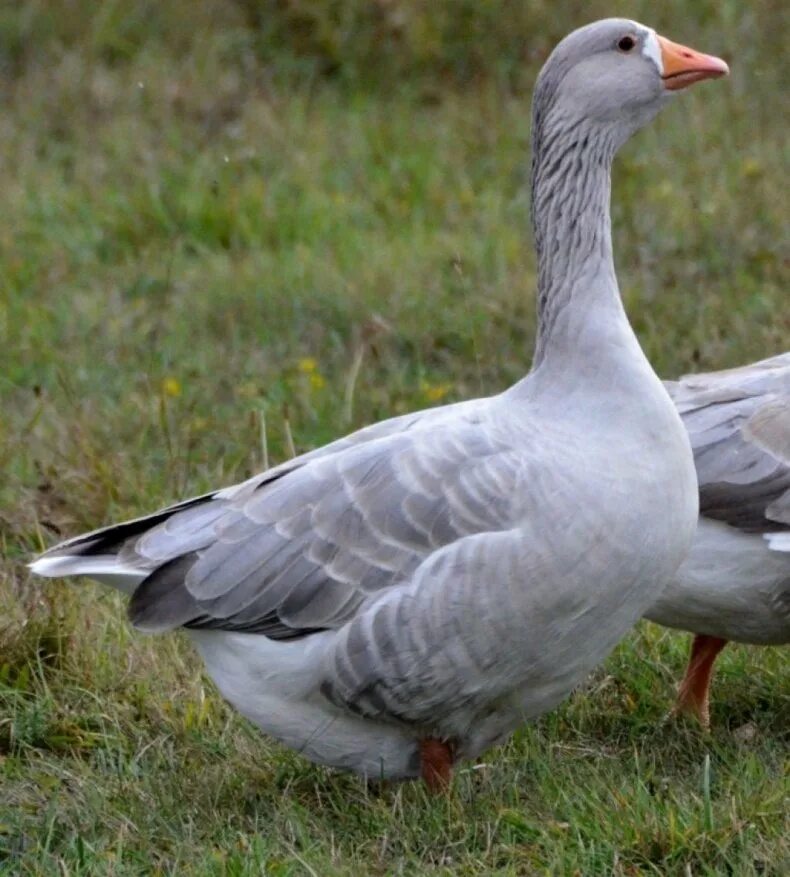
pixel 577 287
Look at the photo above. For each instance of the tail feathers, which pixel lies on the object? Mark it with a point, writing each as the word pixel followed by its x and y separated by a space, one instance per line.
pixel 104 568
pixel 778 541
pixel 109 540
pixel 108 555
pixel 162 603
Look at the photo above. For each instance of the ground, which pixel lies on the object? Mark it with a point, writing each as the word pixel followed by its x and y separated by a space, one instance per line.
pixel 207 261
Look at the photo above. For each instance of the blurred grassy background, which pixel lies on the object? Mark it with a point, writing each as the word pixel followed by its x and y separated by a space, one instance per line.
pixel 230 228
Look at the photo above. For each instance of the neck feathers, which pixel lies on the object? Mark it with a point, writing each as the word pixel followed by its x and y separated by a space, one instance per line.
pixel 571 183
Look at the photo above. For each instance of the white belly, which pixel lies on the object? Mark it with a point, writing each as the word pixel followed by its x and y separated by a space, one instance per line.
pixel 275 686
pixel 732 585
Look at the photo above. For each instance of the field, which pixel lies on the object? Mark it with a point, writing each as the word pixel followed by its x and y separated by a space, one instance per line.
pixel 224 242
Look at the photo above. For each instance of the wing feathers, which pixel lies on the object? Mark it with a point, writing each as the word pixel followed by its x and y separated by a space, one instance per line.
pixel 739 425
pixel 304 546
pixel 161 602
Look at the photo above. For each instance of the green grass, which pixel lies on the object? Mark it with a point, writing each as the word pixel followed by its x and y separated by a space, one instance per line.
pixel 200 248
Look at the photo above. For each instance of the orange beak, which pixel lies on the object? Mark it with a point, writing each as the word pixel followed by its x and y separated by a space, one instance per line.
pixel 684 66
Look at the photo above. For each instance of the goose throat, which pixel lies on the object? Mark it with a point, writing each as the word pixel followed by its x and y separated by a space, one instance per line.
pixel 571 186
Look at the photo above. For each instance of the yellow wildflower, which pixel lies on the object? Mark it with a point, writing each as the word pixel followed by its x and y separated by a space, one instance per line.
pixel 171 387
pixel 435 392
pixel 317 381
pixel 307 365
pixel 751 168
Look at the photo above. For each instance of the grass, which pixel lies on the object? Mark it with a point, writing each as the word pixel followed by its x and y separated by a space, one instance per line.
pixel 205 260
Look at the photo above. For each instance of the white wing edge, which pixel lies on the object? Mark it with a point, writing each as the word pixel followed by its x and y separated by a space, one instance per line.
pixel 103 568
pixel 778 541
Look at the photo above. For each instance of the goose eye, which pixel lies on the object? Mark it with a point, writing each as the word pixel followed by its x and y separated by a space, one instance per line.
pixel 625 44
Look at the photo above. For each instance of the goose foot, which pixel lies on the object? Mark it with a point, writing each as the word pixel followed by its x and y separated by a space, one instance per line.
pixel 693 693
pixel 436 765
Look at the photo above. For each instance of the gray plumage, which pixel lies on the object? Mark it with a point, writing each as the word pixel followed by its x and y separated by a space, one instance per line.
pixel 453 572
pixel 735 583
pixel 739 424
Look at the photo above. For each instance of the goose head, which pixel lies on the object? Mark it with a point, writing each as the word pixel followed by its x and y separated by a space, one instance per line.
pixel 601 84
pixel 613 76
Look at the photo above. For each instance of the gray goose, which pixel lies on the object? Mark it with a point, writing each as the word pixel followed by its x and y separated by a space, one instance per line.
pixel 735 582
pixel 405 597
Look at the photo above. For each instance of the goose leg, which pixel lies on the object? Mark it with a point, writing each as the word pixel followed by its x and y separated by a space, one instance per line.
pixel 436 764
pixel 693 693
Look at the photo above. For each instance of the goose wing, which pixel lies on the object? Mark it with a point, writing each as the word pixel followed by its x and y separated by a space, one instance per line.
pixel 303 547
pixel 739 424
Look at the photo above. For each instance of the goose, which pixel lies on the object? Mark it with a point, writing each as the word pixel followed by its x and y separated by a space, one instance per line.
pixel 735 582
pixel 403 598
